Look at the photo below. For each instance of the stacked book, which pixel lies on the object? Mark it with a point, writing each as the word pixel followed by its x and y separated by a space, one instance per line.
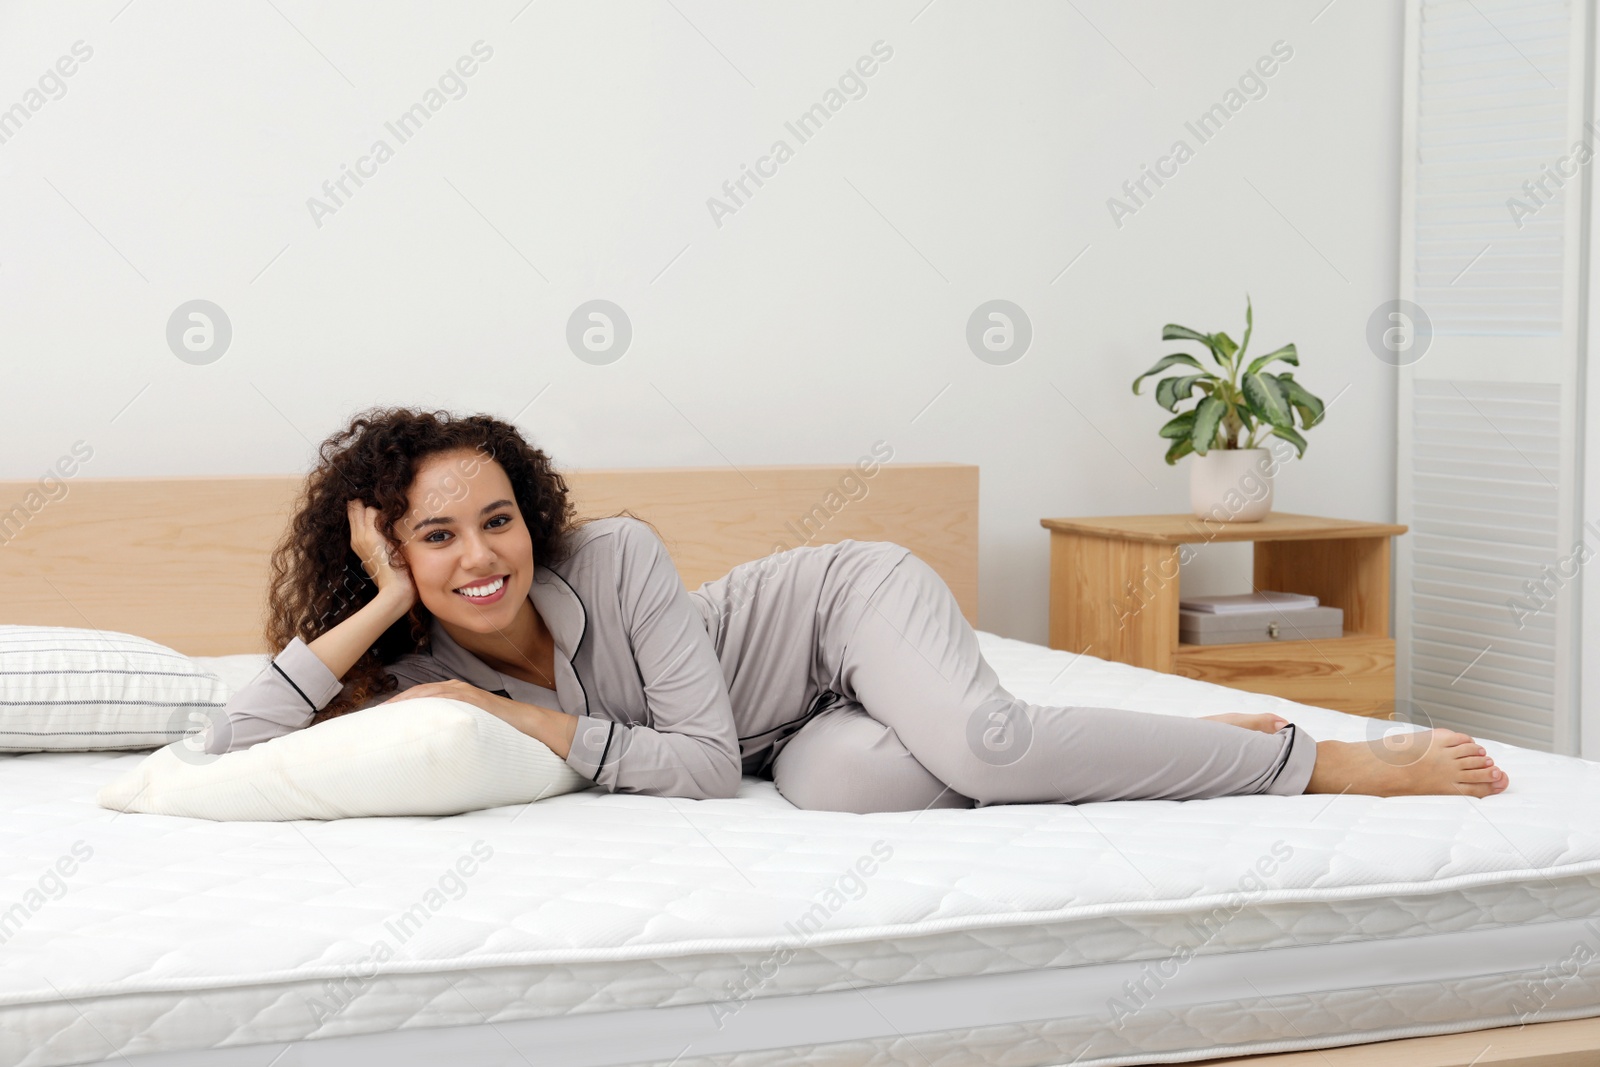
pixel 1259 616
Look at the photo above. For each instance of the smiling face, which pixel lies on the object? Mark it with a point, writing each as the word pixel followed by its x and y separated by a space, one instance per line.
pixel 465 543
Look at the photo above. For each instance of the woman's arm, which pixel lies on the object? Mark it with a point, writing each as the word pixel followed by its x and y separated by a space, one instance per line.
pixel 549 725
pixel 691 748
pixel 304 678
pixel 341 646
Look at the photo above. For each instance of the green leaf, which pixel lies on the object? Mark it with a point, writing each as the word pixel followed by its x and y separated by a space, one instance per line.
pixel 1266 399
pixel 1287 353
pixel 1179 427
pixel 1311 408
pixel 1225 345
pixel 1180 448
pixel 1167 361
pixel 1292 437
pixel 1207 417
pixel 1249 325
pixel 1171 390
pixel 1173 332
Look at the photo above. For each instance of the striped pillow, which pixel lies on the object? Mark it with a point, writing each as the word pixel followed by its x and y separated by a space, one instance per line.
pixel 68 689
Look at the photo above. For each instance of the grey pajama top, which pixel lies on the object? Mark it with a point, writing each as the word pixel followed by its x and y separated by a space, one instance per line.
pixel 676 693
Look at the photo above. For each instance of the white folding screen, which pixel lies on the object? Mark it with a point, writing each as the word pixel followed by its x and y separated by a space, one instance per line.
pixel 1488 340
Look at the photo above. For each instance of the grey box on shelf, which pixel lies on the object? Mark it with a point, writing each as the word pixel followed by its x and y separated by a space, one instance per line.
pixel 1234 628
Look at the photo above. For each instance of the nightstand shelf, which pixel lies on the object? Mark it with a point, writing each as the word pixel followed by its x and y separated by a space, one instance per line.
pixel 1114 594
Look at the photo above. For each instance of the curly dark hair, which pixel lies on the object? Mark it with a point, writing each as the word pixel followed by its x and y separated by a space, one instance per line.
pixel 317 580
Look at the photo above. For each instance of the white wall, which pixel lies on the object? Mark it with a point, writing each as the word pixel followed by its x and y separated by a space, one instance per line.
pixel 824 315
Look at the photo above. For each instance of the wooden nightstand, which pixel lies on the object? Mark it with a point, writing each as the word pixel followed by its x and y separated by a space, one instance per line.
pixel 1114 594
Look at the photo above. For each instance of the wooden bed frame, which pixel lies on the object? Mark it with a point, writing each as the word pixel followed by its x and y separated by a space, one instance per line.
pixel 183 561
pixel 1574 1043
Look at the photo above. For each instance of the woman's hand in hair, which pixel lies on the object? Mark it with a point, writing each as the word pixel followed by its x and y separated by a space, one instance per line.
pixel 378 558
pixel 352 637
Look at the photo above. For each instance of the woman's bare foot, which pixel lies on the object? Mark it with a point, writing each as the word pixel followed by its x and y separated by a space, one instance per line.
pixel 1267 724
pixel 1413 763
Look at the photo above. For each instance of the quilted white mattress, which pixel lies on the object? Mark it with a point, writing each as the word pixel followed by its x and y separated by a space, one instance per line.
pixel 600 929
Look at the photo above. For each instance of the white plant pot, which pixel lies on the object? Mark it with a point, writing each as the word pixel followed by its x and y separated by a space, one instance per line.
pixel 1231 484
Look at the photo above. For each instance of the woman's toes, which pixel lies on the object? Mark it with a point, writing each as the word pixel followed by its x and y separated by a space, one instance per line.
pixel 1472 763
pixel 1483 782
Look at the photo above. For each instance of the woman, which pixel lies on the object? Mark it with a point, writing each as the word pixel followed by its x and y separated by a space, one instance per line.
pixel 439 556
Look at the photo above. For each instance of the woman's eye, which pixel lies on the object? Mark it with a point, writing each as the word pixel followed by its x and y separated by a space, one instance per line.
pixel 498 521
pixel 436 537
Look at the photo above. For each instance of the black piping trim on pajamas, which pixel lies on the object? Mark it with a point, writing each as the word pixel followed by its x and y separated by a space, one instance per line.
pixel 609 734
pixel 824 699
pixel 573 662
pixel 296 688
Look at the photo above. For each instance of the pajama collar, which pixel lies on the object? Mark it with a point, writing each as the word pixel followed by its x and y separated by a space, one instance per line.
pixel 563 612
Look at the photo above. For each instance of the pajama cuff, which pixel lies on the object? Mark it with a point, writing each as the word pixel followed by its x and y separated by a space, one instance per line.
pixel 594 745
pixel 300 669
pixel 1300 756
pixel 283 697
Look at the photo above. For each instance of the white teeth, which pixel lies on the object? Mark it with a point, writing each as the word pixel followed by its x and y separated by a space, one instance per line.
pixel 488 589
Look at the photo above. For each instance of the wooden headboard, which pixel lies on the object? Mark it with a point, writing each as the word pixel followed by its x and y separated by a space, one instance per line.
pixel 183 561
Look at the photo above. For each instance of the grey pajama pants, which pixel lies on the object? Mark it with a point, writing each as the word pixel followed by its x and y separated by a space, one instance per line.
pixel 920 720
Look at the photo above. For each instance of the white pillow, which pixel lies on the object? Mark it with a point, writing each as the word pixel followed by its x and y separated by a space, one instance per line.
pixel 69 689
pixel 426 756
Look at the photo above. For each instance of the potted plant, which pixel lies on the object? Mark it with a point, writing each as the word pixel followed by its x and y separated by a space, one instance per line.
pixel 1235 407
